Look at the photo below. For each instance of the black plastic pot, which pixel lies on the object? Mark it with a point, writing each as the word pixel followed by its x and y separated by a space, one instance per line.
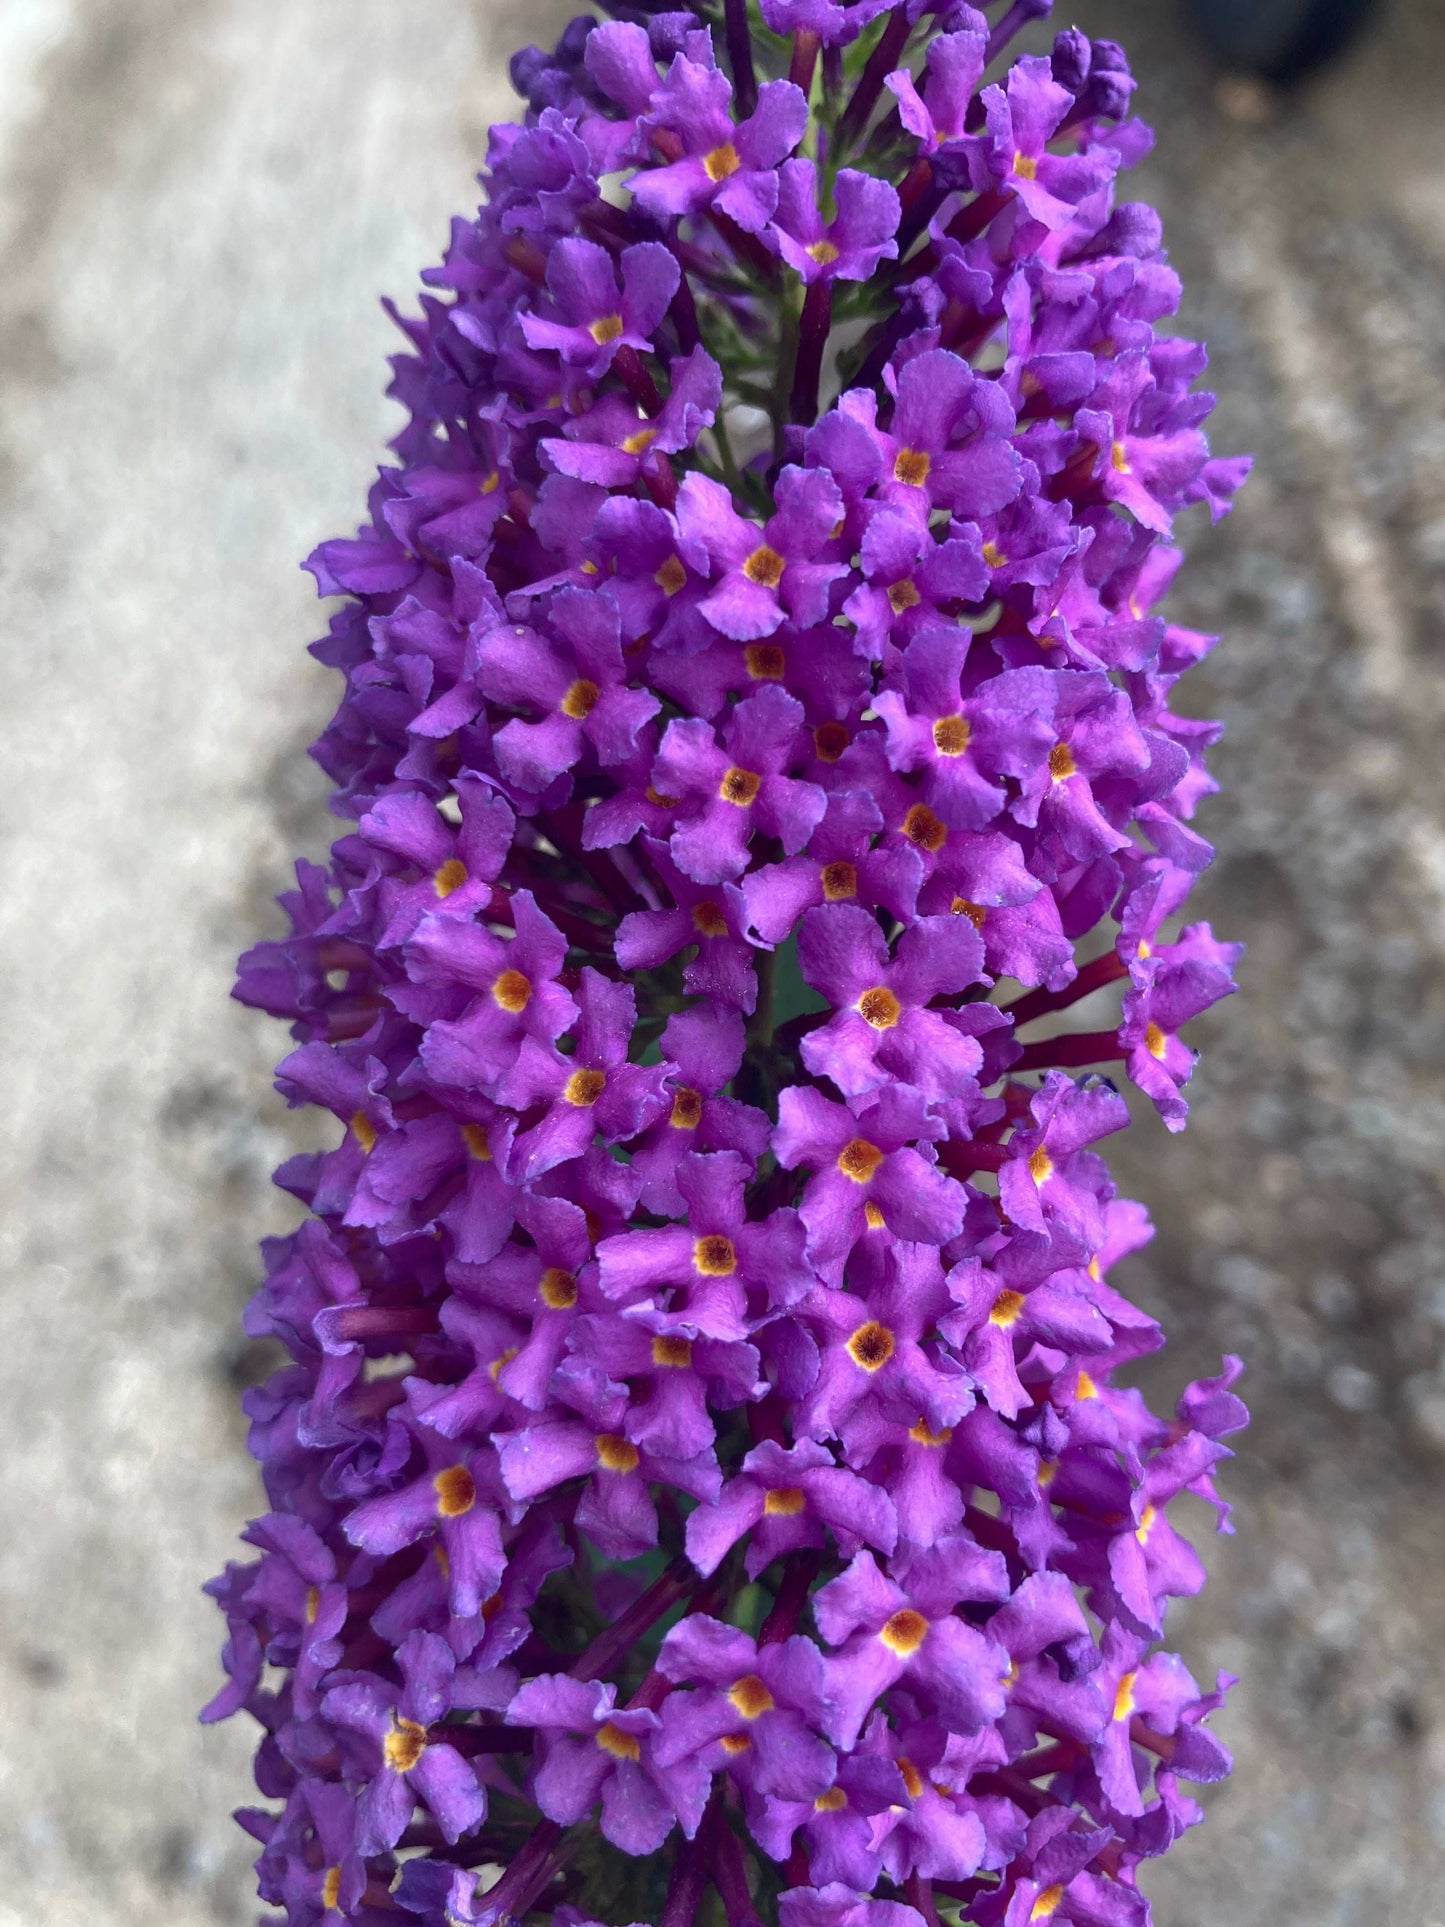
pixel 1279 39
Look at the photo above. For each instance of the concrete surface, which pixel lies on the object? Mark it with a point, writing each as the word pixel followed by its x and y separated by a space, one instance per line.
pixel 199 200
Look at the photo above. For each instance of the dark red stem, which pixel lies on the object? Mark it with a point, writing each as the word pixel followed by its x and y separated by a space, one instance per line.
pixel 962 1159
pixel 1038 1003
pixel 804 61
pixel 792 1597
pixel 381 1321
pixel 471 1740
pixel 627 366
pixel 1059 1053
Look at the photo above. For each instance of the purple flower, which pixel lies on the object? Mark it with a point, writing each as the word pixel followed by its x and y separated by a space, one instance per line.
pixel 713 1260
pixel 1166 991
pixel 516 993
pixel 841 865
pixel 936 116
pixel 910 579
pixel 708 919
pixel 400 1757
pixel 592 1092
pixel 600 308
pixel 726 166
pixel 1022 117
pixel 786 1500
pixel 706 1046
pixel 883 1030
pixel 614 443
pixel 847 248
pixel 594 1750
pixel 866 1175
pixel 947 443
pixel 966 745
pixel 449 1500
pixel 885 1635
pixel 727 792
pixel 769 573
pixel 879 1361
pixel 755 1710
pixel 831 20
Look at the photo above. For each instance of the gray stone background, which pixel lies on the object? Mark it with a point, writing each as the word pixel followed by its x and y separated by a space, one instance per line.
pixel 199 200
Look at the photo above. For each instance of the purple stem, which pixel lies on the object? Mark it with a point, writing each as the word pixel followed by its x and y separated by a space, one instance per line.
pixel 919 1894
pixel 528 1874
pixel 1014 21
pixel 730 1876
pixel 792 1596
pixel 813 328
pixel 740 57
pixel 691 1871
pixel 684 315
pixel 608 1647
pixel 881 62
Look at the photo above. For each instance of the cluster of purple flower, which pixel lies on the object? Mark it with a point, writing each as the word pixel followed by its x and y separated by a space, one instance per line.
pixel 699 1479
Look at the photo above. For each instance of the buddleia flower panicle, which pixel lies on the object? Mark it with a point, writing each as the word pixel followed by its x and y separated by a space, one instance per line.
pixel 700 1479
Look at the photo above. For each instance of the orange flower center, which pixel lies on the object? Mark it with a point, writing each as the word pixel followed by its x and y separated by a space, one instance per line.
pixel 923 828
pixel 557 1289
pixel 512 991
pixel 404 1745
pixel 879 1007
pixel 905 1632
pixel 871 1346
pixel 740 786
pixel 721 162
pixel 784 1501
pixel 859 1159
pixel 950 735
pixel 456 1491
pixel 580 699
pixel 583 1088
pixel 616 1453
pixel 765 567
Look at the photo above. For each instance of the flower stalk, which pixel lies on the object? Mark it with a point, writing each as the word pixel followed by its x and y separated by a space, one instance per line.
pixel 699 1474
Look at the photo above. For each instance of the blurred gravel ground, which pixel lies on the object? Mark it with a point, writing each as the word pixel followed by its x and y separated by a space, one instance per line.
pixel 198 202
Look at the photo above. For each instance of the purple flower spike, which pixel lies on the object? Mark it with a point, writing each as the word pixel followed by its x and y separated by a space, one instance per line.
pixel 698 1480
